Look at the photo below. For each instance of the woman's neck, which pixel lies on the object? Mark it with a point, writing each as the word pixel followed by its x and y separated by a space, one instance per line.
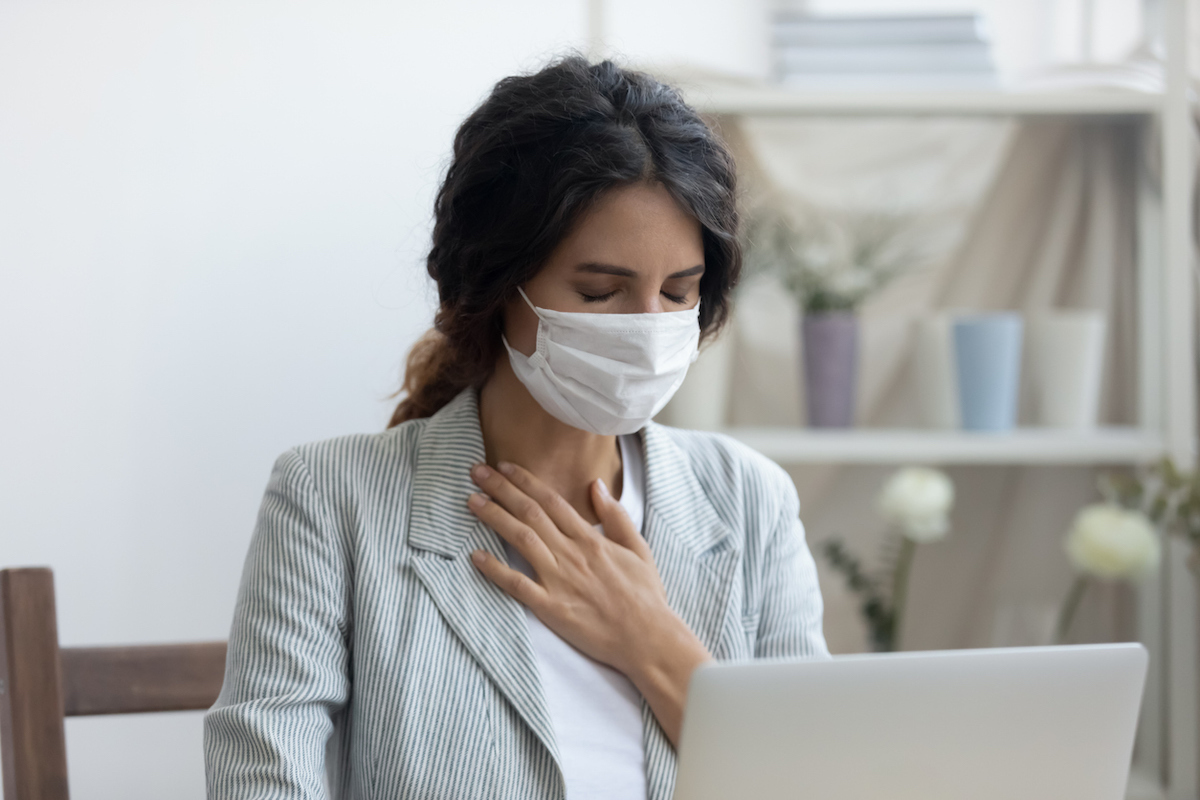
pixel 517 429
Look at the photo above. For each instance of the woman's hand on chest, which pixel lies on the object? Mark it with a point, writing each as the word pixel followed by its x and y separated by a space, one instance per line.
pixel 601 593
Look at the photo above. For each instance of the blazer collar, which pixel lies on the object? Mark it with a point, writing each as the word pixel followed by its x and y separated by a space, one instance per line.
pixel 490 624
pixel 447 448
pixel 694 549
pixel 676 494
pixel 697 555
pixel 452 442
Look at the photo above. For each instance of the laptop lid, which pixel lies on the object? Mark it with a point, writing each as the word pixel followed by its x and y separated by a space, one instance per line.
pixel 1043 723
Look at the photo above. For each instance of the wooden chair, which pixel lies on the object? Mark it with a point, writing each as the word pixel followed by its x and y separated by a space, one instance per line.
pixel 40 684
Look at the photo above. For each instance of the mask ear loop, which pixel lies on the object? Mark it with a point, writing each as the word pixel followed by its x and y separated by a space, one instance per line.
pixel 539 349
pixel 529 302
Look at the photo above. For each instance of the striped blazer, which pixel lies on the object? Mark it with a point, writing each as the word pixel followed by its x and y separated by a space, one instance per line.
pixel 370 659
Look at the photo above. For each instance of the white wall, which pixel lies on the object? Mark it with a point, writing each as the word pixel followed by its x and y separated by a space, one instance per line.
pixel 212 222
pixel 726 35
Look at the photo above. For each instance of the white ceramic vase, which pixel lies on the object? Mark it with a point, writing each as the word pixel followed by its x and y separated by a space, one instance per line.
pixel 936 377
pixel 1066 365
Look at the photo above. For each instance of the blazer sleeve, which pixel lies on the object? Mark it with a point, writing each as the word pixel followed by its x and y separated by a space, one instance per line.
pixel 790 618
pixel 286 674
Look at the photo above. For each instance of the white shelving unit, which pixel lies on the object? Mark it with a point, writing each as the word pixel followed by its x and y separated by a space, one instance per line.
pixel 1169 745
pixel 774 101
pixel 885 446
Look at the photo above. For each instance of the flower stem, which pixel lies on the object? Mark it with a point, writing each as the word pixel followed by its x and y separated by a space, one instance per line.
pixel 900 588
pixel 1069 607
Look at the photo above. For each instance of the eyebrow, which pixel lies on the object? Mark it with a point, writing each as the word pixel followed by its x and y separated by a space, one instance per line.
pixel 625 272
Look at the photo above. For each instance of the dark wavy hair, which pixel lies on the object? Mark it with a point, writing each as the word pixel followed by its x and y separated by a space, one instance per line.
pixel 527 164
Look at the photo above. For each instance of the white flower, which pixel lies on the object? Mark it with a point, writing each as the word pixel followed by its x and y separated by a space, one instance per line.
pixel 917 500
pixel 850 282
pixel 817 258
pixel 1112 542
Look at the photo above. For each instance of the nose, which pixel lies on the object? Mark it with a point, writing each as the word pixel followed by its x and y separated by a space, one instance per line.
pixel 648 303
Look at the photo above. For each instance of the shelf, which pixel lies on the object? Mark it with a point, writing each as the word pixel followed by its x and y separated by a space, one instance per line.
pixel 882 446
pixel 760 100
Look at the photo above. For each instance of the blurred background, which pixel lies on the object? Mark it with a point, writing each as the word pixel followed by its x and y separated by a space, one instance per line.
pixel 214 215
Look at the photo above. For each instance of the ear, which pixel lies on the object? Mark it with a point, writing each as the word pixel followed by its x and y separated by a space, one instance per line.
pixel 520 325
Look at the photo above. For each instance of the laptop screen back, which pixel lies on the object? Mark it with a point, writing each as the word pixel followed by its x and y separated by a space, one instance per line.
pixel 1053 723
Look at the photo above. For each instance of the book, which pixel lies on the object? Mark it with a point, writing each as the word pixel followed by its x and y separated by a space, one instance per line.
pixel 944 57
pixel 891 82
pixel 920 52
pixel 793 28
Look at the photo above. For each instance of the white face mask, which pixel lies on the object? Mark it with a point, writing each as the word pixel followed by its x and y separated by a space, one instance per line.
pixel 607 373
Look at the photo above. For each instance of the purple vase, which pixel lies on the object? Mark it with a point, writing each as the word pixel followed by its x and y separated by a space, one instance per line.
pixel 830 367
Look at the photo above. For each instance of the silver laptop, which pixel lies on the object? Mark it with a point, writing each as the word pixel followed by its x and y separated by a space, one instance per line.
pixel 1041 723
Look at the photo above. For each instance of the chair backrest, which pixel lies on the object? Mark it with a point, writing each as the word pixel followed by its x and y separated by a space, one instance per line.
pixel 40 683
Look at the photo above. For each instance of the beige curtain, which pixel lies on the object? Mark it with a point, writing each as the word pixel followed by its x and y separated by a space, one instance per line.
pixel 1027 216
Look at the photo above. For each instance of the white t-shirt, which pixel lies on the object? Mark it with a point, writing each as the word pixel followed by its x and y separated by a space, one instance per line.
pixel 596 710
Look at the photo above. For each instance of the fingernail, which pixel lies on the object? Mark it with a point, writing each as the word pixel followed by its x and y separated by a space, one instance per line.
pixel 476 501
pixel 478 558
pixel 603 487
pixel 505 467
pixel 480 471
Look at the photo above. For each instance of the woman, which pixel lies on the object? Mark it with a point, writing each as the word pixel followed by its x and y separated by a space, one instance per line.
pixel 506 593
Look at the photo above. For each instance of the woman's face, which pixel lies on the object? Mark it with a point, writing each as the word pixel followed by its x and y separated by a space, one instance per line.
pixel 636 251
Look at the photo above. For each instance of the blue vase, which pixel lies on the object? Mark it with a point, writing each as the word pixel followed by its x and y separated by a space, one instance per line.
pixel 987 353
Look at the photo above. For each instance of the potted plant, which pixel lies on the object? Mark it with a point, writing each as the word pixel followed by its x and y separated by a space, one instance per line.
pixel 916 502
pixel 831 263
pixel 1167 495
pixel 1106 542
pixel 1118 539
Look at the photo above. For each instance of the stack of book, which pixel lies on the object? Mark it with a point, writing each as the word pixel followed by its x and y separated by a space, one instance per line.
pixel 947 51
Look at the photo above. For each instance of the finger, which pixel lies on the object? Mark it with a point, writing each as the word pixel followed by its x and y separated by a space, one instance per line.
pixel 516 502
pixel 516 585
pixel 618 527
pixel 560 512
pixel 526 541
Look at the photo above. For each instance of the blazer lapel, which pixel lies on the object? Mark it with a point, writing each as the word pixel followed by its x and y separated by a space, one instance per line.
pixel 490 624
pixel 694 550
pixel 697 557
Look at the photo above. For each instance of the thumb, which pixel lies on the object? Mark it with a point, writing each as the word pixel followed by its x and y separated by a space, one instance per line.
pixel 617 525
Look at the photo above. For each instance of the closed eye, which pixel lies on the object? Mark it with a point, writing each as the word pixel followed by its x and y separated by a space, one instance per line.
pixel 597 298
pixel 677 299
